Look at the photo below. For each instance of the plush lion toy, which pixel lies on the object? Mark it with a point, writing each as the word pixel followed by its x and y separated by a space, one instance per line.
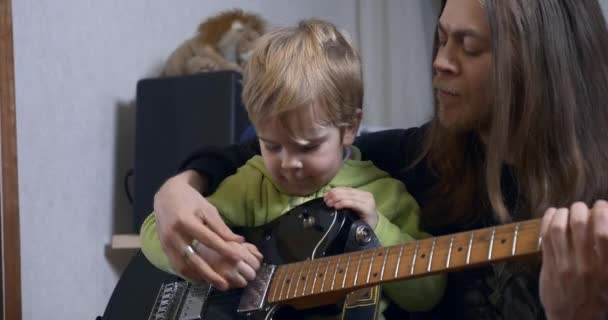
pixel 223 42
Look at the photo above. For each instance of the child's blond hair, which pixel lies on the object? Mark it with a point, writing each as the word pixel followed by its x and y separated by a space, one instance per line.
pixel 294 67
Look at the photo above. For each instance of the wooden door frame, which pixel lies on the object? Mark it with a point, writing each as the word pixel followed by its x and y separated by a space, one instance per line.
pixel 10 302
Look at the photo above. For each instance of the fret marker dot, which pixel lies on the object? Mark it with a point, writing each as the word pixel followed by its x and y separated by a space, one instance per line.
pixel 503 241
pixel 303 278
pixel 375 274
pixel 422 256
pixel 380 254
pixel 320 274
pixel 339 270
pixel 287 281
pixel 459 249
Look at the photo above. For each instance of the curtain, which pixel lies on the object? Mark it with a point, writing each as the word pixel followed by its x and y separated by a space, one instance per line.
pixel 395 38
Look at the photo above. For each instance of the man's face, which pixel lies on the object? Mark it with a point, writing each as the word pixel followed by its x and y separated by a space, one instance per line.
pixel 463 67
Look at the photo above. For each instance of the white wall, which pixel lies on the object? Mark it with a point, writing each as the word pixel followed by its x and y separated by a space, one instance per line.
pixel 76 64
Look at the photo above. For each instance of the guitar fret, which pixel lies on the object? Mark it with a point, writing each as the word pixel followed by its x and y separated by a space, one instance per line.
pixel 398 261
pixel 515 239
pixel 346 270
pixel 316 275
pixel 290 282
pixel 414 257
pixel 447 262
pixel 384 263
pixel 481 250
pixel 470 246
pixel 333 281
pixel 325 275
pixel 491 243
pixel 282 277
pixel 358 267
pixel 298 282
pixel 306 282
pixel 371 263
pixel 428 268
pixel 282 285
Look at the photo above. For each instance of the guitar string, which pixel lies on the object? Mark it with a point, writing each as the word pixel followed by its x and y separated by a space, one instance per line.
pixel 368 256
pixel 216 294
pixel 422 253
pixel 458 243
pixel 375 268
pixel 313 290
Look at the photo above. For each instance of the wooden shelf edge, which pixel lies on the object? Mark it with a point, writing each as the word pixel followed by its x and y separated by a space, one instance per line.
pixel 125 241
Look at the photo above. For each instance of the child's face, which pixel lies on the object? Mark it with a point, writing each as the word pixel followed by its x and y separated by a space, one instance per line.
pixel 302 166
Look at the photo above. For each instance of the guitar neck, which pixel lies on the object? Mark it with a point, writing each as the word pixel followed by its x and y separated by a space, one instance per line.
pixel 348 272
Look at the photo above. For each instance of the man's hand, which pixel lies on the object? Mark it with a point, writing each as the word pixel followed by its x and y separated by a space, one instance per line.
pixel 574 273
pixel 184 215
pixel 236 274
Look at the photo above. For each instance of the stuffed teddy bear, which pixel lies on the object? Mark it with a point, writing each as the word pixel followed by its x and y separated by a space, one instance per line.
pixel 223 42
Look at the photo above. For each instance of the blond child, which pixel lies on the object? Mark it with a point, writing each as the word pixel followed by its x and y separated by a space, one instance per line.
pixel 303 92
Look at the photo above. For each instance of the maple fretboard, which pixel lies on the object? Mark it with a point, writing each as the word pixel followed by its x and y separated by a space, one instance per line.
pixel 347 272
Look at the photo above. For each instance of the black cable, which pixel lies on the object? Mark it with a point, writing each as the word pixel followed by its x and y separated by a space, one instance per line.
pixel 128 175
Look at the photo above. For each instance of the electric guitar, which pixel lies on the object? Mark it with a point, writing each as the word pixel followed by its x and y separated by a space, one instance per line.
pixel 305 267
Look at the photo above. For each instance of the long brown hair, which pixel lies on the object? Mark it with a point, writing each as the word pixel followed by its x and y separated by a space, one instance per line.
pixel 549 121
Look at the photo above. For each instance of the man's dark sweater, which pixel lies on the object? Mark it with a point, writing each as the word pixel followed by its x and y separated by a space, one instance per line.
pixel 499 291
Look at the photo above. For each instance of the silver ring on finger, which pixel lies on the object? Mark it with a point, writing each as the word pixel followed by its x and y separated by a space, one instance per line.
pixel 195 245
pixel 188 251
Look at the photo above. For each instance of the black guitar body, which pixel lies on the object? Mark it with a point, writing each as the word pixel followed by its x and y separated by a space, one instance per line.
pixel 308 231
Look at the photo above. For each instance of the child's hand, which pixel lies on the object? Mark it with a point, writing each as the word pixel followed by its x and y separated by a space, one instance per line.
pixel 235 273
pixel 362 202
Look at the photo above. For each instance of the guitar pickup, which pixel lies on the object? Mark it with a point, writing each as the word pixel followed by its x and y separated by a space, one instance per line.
pixel 194 302
pixel 166 306
pixel 180 300
pixel 254 295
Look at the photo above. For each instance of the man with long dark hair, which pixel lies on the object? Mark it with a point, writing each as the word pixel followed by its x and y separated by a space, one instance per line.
pixel 519 131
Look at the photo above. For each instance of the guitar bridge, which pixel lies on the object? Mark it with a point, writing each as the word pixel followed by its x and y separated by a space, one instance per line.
pixel 253 297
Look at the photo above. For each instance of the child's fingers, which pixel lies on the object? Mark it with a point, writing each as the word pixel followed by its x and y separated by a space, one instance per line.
pixel 254 250
pixel 336 194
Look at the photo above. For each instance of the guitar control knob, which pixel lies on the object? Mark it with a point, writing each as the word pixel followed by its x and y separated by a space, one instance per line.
pixel 363 234
pixel 308 222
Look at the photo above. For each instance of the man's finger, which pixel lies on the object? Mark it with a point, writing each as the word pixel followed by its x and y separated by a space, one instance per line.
pixel 215 222
pixel 582 238
pixel 599 218
pixel 235 279
pixel 547 248
pixel 179 262
pixel 558 231
pixel 206 272
pixel 211 240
